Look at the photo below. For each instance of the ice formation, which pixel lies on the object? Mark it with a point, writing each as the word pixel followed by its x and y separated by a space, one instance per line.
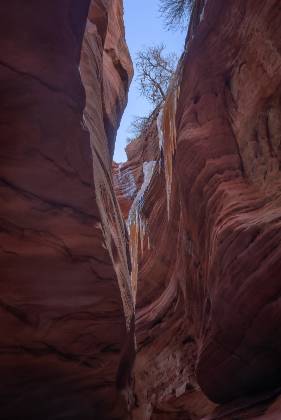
pixel 137 223
pixel 166 125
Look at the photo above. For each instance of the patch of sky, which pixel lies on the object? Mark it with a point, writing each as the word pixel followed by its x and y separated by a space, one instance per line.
pixel 144 27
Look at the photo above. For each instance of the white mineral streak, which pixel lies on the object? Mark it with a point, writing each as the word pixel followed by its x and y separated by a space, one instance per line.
pixel 137 224
pixel 127 180
pixel 131 186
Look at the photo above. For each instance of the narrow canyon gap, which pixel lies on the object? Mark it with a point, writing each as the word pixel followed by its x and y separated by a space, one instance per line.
pixel 176 313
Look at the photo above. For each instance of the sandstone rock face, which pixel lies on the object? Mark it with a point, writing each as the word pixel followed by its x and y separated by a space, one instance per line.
pixel 128 176
pixel 127 182
pixel 208 289
pixel 66 346
pixel 201 195
pixel 229 182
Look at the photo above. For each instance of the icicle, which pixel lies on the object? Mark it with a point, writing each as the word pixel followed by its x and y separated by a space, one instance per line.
pixel 167 137
pixel 203 11
pixel 148 242
pixel 159 128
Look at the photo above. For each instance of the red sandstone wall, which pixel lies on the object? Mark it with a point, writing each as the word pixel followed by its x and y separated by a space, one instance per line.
pixel 65 333
pixel 208 309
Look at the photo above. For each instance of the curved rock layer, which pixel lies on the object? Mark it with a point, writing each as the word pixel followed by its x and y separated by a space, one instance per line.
pixel 201 193
pixel 65 296
pixel 229 182
pixel 208 300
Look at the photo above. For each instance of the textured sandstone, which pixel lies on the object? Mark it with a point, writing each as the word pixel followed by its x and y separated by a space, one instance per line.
pixel 128 176
pixel 203 210
pixel 65 300
pixel 208 302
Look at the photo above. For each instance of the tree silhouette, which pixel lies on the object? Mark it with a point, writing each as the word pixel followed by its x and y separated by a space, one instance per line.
pixel 175 12
pixel 155 69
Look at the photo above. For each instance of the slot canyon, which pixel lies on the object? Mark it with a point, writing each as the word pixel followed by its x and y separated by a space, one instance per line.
pixel 148 289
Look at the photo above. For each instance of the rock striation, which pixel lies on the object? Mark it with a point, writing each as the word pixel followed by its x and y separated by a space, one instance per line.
pixel 208 246
pixel 66 347
pixel 148 289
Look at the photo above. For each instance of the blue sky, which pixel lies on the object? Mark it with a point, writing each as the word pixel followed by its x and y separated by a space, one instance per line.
pixel 144 27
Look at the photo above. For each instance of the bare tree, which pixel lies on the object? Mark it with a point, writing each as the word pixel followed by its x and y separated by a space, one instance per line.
pixel 155 69
pixel 154 72
pixel 137 127
pixel 140 125
pixel 175 12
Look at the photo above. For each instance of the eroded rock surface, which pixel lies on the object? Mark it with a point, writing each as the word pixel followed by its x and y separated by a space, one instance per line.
pixel 208 288
pixel 128 176
pixel 202 197
pixel 65 299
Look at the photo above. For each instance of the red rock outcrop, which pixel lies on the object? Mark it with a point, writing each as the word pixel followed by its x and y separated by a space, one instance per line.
pixel 208 287
pixel 229 182
pixel 66 347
